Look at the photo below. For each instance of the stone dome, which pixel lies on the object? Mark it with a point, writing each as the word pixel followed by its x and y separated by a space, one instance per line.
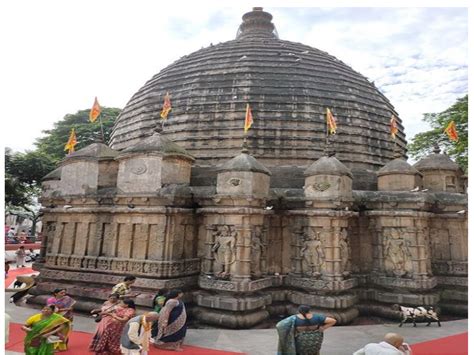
pixel 53 175
pixel 436 161
pixel 398 166
pixel 327 166
pixel 94 151
pixel 288 86
pixel 244 162
pixel 156 143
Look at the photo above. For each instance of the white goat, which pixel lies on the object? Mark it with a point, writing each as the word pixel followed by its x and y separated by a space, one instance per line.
pixel 417 313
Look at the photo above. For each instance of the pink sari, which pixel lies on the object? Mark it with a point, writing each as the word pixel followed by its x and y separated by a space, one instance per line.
pixel 106 340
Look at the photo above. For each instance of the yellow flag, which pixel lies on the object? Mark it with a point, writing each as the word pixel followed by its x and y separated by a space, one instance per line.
pixel 248 119
pixel 166 107
pixel 95 111
pixel 451 131
pixel 72 141
pixel 393 127
pixel 331 122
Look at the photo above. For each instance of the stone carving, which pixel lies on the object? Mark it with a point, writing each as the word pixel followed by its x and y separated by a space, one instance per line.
pixel 257 250
pixel 137 168
pixel 397 254
pixel 103 264
pixel 313 254
pixel 345 252
pixel 225 238
pixel 322 186
pixel 75 262
pixel 234 182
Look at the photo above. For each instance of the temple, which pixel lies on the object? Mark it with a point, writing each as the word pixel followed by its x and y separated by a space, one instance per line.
pixel 348 226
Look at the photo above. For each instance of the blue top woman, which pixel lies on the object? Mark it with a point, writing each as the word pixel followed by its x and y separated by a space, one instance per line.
pixel 302 334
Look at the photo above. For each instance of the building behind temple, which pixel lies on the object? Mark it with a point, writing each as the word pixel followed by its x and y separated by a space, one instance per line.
pixel 251 231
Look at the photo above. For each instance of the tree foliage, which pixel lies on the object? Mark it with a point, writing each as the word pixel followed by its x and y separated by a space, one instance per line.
pixel 53 141
pixel 423 143
pixel 24 171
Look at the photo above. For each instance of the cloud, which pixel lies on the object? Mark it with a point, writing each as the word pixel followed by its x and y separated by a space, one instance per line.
pixel 62 55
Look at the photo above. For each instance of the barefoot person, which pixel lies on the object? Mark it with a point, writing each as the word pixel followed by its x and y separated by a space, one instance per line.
pixel 41 328
pixel 172 322
pixel 135 339
pixel 392 345
pixel 64 305
pixel 124 289
pixel 20 257
pixel 302 334
pixel 114 315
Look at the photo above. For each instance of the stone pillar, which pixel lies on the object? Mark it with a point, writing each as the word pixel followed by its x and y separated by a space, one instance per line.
pixel 401 257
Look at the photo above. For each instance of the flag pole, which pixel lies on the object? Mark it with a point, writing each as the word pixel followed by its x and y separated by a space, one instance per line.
pixel 244 144
pixel 327 136
pixel 102 128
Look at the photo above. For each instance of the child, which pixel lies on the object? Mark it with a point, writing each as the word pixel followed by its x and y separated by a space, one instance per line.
pixel 20 257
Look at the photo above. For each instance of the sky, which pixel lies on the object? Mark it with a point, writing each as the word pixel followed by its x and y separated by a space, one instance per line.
pixel 61 54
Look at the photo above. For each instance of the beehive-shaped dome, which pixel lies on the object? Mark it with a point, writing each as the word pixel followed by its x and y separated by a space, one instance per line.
pixel 288 86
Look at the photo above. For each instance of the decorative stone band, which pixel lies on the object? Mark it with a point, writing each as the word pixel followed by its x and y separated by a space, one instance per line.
pixel 456 268
pixel 323 213
pixel 455 295
pixel 122 266
pixel 209 283
pixel 413 284
pixel 107 280
pixel 414 299
pixel 232 303
pixel 452 281
pixel 393 214
pixel 119 209
pixel 319 285
pixel 234 210
pixel 323 301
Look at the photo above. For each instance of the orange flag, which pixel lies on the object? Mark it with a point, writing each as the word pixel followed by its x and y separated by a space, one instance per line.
pixel 72 141
pixel 451 131
pixel 248 119
pixel 95 111
pixel 331 122
pixel 393 127
pixel 166 107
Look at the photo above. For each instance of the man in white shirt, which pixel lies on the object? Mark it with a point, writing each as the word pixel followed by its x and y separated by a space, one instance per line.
pixel 392 345
pixel 135 337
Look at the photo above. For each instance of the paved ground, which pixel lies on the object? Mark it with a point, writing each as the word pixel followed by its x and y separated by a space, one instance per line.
pixel 338 340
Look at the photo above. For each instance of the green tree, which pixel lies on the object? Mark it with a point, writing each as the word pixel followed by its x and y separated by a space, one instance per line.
pixel 24 171
pixel 53 141
pixel 423 143
pixel 23 174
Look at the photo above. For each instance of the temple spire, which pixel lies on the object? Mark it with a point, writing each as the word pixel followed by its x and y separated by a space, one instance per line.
pixel 257 23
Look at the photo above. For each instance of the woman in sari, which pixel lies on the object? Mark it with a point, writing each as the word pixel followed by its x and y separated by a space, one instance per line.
pixel 41 328
pixel 172 323
pixel 302 334
pixel 106 340
pixel 64 305
pixel 158 303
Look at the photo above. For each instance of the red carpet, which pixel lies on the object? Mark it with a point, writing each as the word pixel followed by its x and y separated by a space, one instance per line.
pixel 452 345
pixel 79 343
pixel 13 273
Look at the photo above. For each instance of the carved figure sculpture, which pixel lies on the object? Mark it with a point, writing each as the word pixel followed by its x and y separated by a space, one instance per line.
pixel 345 252
pixel 397 254
pixel 313 254
pixel 224 249
pixel 257 250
